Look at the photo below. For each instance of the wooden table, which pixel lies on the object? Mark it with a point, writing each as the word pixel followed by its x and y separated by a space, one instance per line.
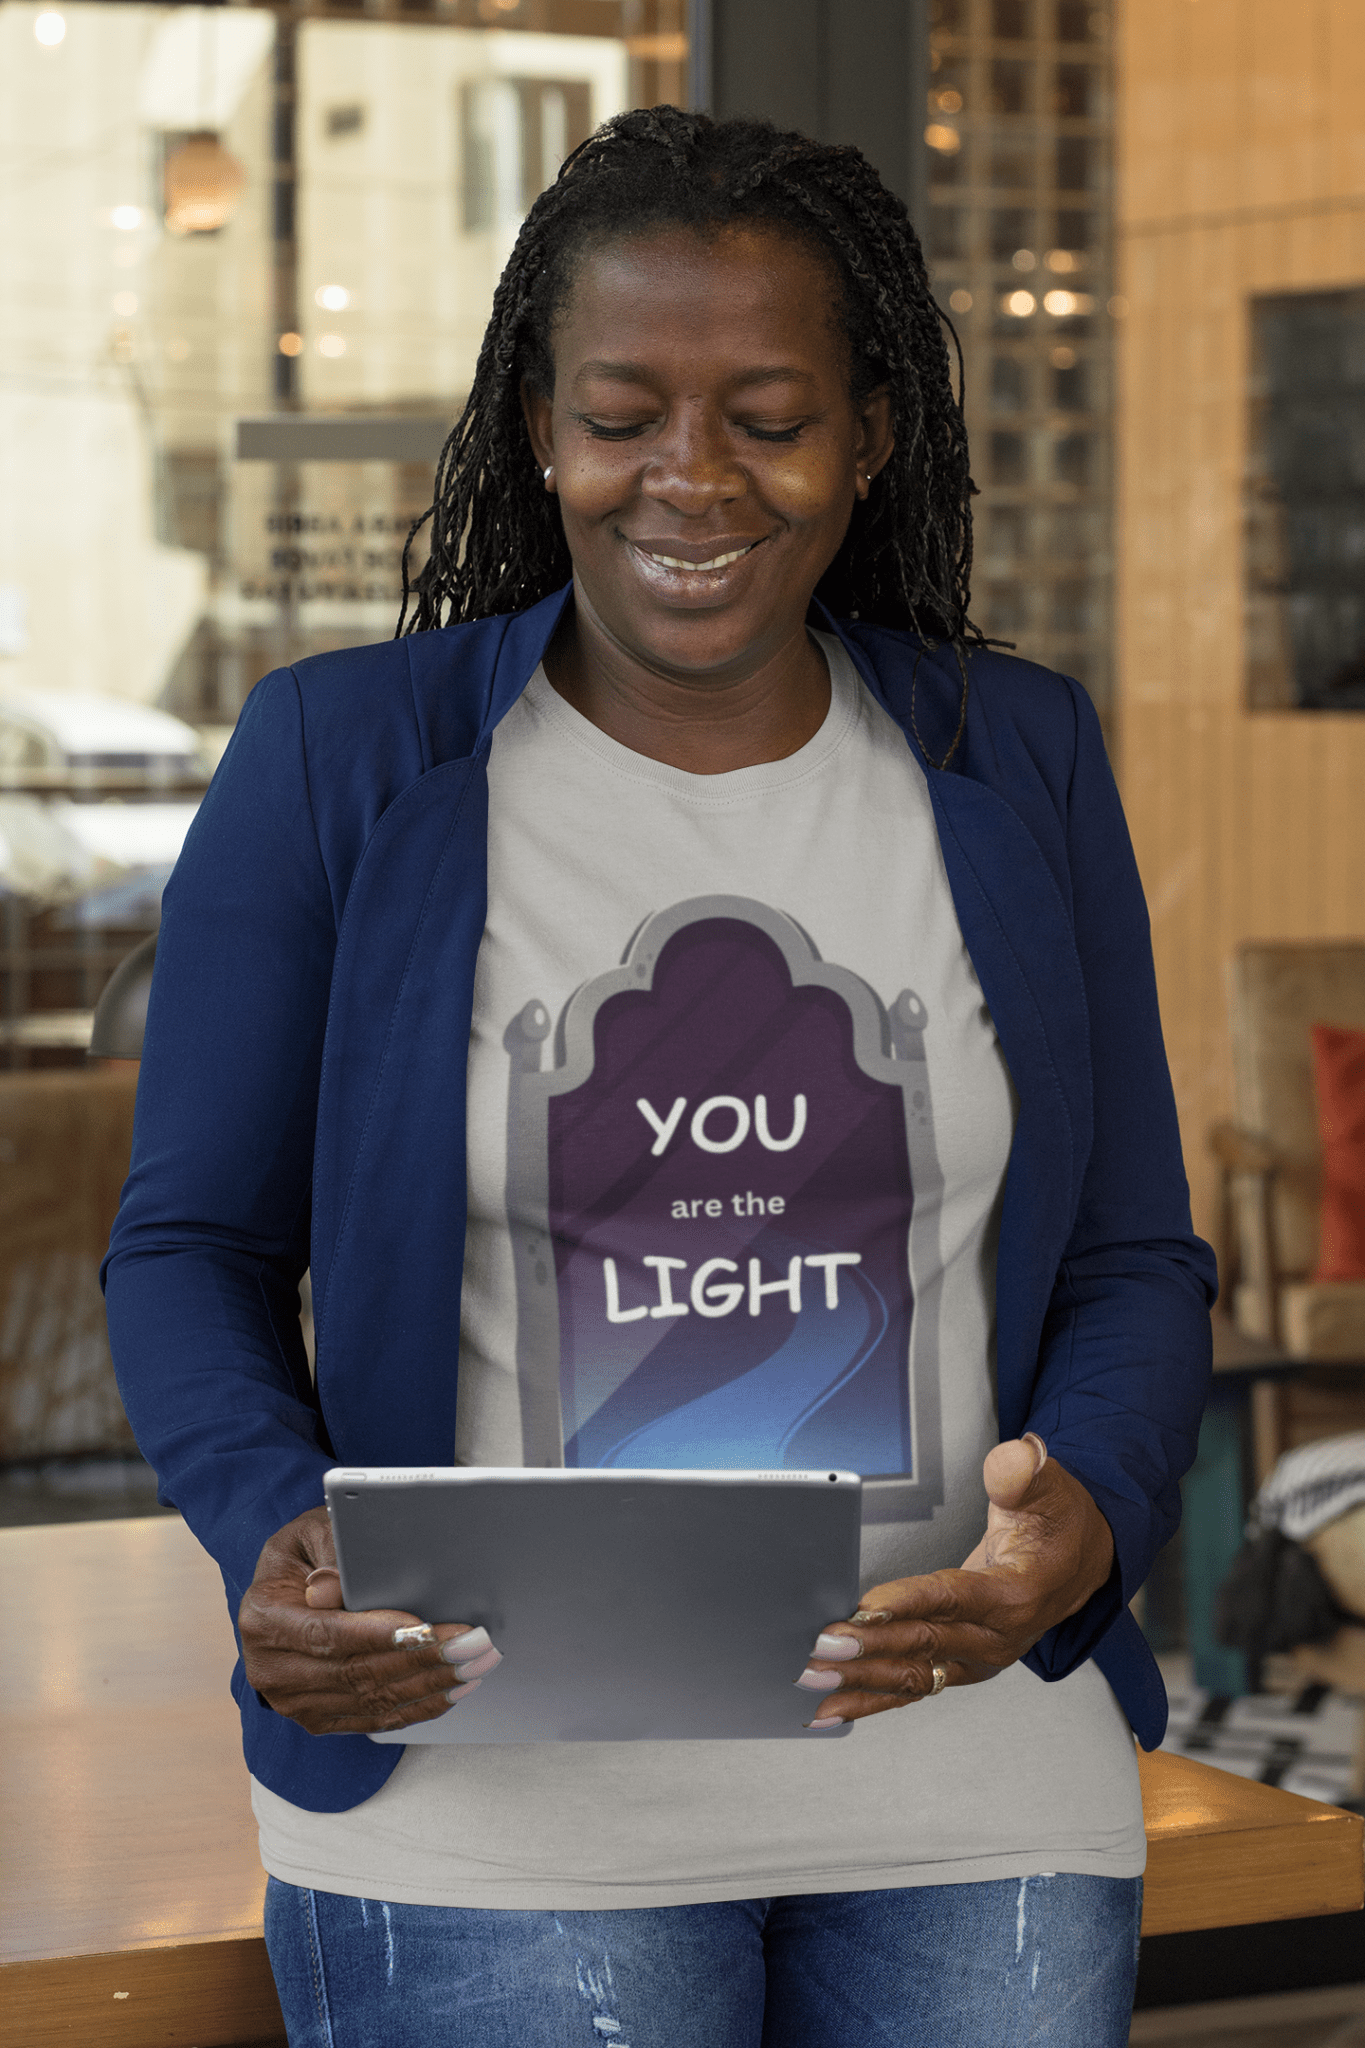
pixel 130 1899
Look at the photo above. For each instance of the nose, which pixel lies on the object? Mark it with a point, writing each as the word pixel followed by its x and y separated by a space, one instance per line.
pixel 695 465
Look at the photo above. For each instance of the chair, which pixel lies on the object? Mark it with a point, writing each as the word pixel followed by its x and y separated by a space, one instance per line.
pixel 65 1137
pixel 1269 1154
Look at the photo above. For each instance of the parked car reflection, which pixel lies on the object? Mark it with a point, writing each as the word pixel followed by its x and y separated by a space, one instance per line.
pixel 96 796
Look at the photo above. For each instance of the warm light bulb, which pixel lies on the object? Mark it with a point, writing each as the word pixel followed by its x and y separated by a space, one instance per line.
pixel 944 139
pixel 291 344
pixel 125 304
pixel 1024 259
pixel 331 345
pixel 1020 304
pixel 961 301
pixel 333 298
pixel 127 218
pixel 50 27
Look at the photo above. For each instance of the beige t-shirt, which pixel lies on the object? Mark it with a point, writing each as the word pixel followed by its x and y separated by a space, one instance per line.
pixel 731 1064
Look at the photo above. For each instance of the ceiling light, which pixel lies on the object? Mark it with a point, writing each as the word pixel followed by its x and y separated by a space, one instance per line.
pixel 50 27
pixel 333 298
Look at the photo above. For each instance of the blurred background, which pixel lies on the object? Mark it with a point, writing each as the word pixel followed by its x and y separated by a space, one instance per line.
pixel 247 253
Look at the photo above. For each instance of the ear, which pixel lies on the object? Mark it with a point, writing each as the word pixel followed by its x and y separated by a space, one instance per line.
pixel 538 413
pixel 875 439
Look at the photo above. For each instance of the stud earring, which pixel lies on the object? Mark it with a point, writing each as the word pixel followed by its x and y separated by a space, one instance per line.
pixel 548 471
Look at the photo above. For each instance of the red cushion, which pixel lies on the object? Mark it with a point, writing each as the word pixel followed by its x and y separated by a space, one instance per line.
pixel 1339 1068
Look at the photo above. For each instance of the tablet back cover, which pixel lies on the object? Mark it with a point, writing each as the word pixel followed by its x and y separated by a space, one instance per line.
pixel 629 1606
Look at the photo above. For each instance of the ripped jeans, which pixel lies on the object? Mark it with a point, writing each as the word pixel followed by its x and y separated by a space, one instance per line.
pixel 1047 1960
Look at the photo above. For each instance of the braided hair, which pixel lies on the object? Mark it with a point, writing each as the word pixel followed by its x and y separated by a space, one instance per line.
pixel 497 544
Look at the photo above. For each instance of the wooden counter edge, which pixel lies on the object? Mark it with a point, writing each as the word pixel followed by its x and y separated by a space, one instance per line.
pixel 1227 1851
pixel 196 1994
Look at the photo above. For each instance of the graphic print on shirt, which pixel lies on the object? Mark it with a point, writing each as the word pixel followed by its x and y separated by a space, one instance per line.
pixel 722 1194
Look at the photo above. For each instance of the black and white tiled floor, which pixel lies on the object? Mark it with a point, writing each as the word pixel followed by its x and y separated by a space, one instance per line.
pixel 1302 1740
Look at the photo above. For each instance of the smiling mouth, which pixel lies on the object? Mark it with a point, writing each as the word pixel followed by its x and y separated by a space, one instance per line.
pixel 698 568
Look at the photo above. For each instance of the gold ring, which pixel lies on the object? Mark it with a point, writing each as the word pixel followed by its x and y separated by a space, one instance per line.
pixel 940 1680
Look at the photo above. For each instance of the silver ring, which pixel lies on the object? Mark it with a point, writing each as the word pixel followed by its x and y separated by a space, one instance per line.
pixel 940 1680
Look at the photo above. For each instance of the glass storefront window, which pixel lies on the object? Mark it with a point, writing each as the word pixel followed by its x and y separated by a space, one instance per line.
pixel 247 254
pixel 1019 237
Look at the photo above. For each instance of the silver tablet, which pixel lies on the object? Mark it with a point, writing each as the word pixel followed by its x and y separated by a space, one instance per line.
pixel 629 1606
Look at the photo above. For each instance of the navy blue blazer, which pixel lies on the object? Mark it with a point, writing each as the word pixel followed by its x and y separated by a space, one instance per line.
pixel 302 1102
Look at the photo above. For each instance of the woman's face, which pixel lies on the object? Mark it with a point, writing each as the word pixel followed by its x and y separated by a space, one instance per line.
pixel 706 449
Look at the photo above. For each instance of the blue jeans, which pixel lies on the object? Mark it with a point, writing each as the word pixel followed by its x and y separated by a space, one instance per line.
pixel 1050 1960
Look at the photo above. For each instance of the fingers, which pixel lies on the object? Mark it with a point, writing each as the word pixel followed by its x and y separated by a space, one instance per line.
pixel 335 1672
pixel 858 1693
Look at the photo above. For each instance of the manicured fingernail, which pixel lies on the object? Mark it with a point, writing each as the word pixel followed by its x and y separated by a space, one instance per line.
pixel 459 1692
pixel 481 1666
pixel 835 1647
pixel 419 1632
pixel 867 1614
pixel 833 1721
pixel 1039 1452
pixel 820 1681
pixel 464 1649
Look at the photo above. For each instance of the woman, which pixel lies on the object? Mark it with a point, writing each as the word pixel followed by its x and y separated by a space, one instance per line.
pixel 709 704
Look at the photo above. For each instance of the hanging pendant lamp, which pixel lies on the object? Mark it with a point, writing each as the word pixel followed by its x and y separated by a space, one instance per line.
pixel 203 183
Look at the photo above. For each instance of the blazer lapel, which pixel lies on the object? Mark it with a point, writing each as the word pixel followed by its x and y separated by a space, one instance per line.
pixel 389 1183
pixel 1019 936
pixel 1018 932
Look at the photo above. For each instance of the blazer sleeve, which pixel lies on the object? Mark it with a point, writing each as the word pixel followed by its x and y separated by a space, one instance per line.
pixel 211 1240
pixel 1126 1349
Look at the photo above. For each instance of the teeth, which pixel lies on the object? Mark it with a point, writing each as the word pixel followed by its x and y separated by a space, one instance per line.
pixel 696 568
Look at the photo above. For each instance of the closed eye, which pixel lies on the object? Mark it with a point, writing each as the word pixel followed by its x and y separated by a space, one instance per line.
pixel 600 430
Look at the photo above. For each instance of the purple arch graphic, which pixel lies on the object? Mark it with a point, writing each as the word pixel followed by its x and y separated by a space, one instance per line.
pixel 721 1194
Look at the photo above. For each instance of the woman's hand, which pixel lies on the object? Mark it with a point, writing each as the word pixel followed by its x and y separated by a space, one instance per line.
pixel 1046 1549
pixel 337 1673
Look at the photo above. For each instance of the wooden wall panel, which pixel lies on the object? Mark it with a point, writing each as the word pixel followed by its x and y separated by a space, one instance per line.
pixel 1241 170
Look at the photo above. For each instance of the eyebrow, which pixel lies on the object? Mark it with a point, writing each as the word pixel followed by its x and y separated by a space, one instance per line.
pixel 639 373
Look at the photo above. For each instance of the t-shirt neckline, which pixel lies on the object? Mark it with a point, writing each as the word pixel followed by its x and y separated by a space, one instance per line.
pixel 544 701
